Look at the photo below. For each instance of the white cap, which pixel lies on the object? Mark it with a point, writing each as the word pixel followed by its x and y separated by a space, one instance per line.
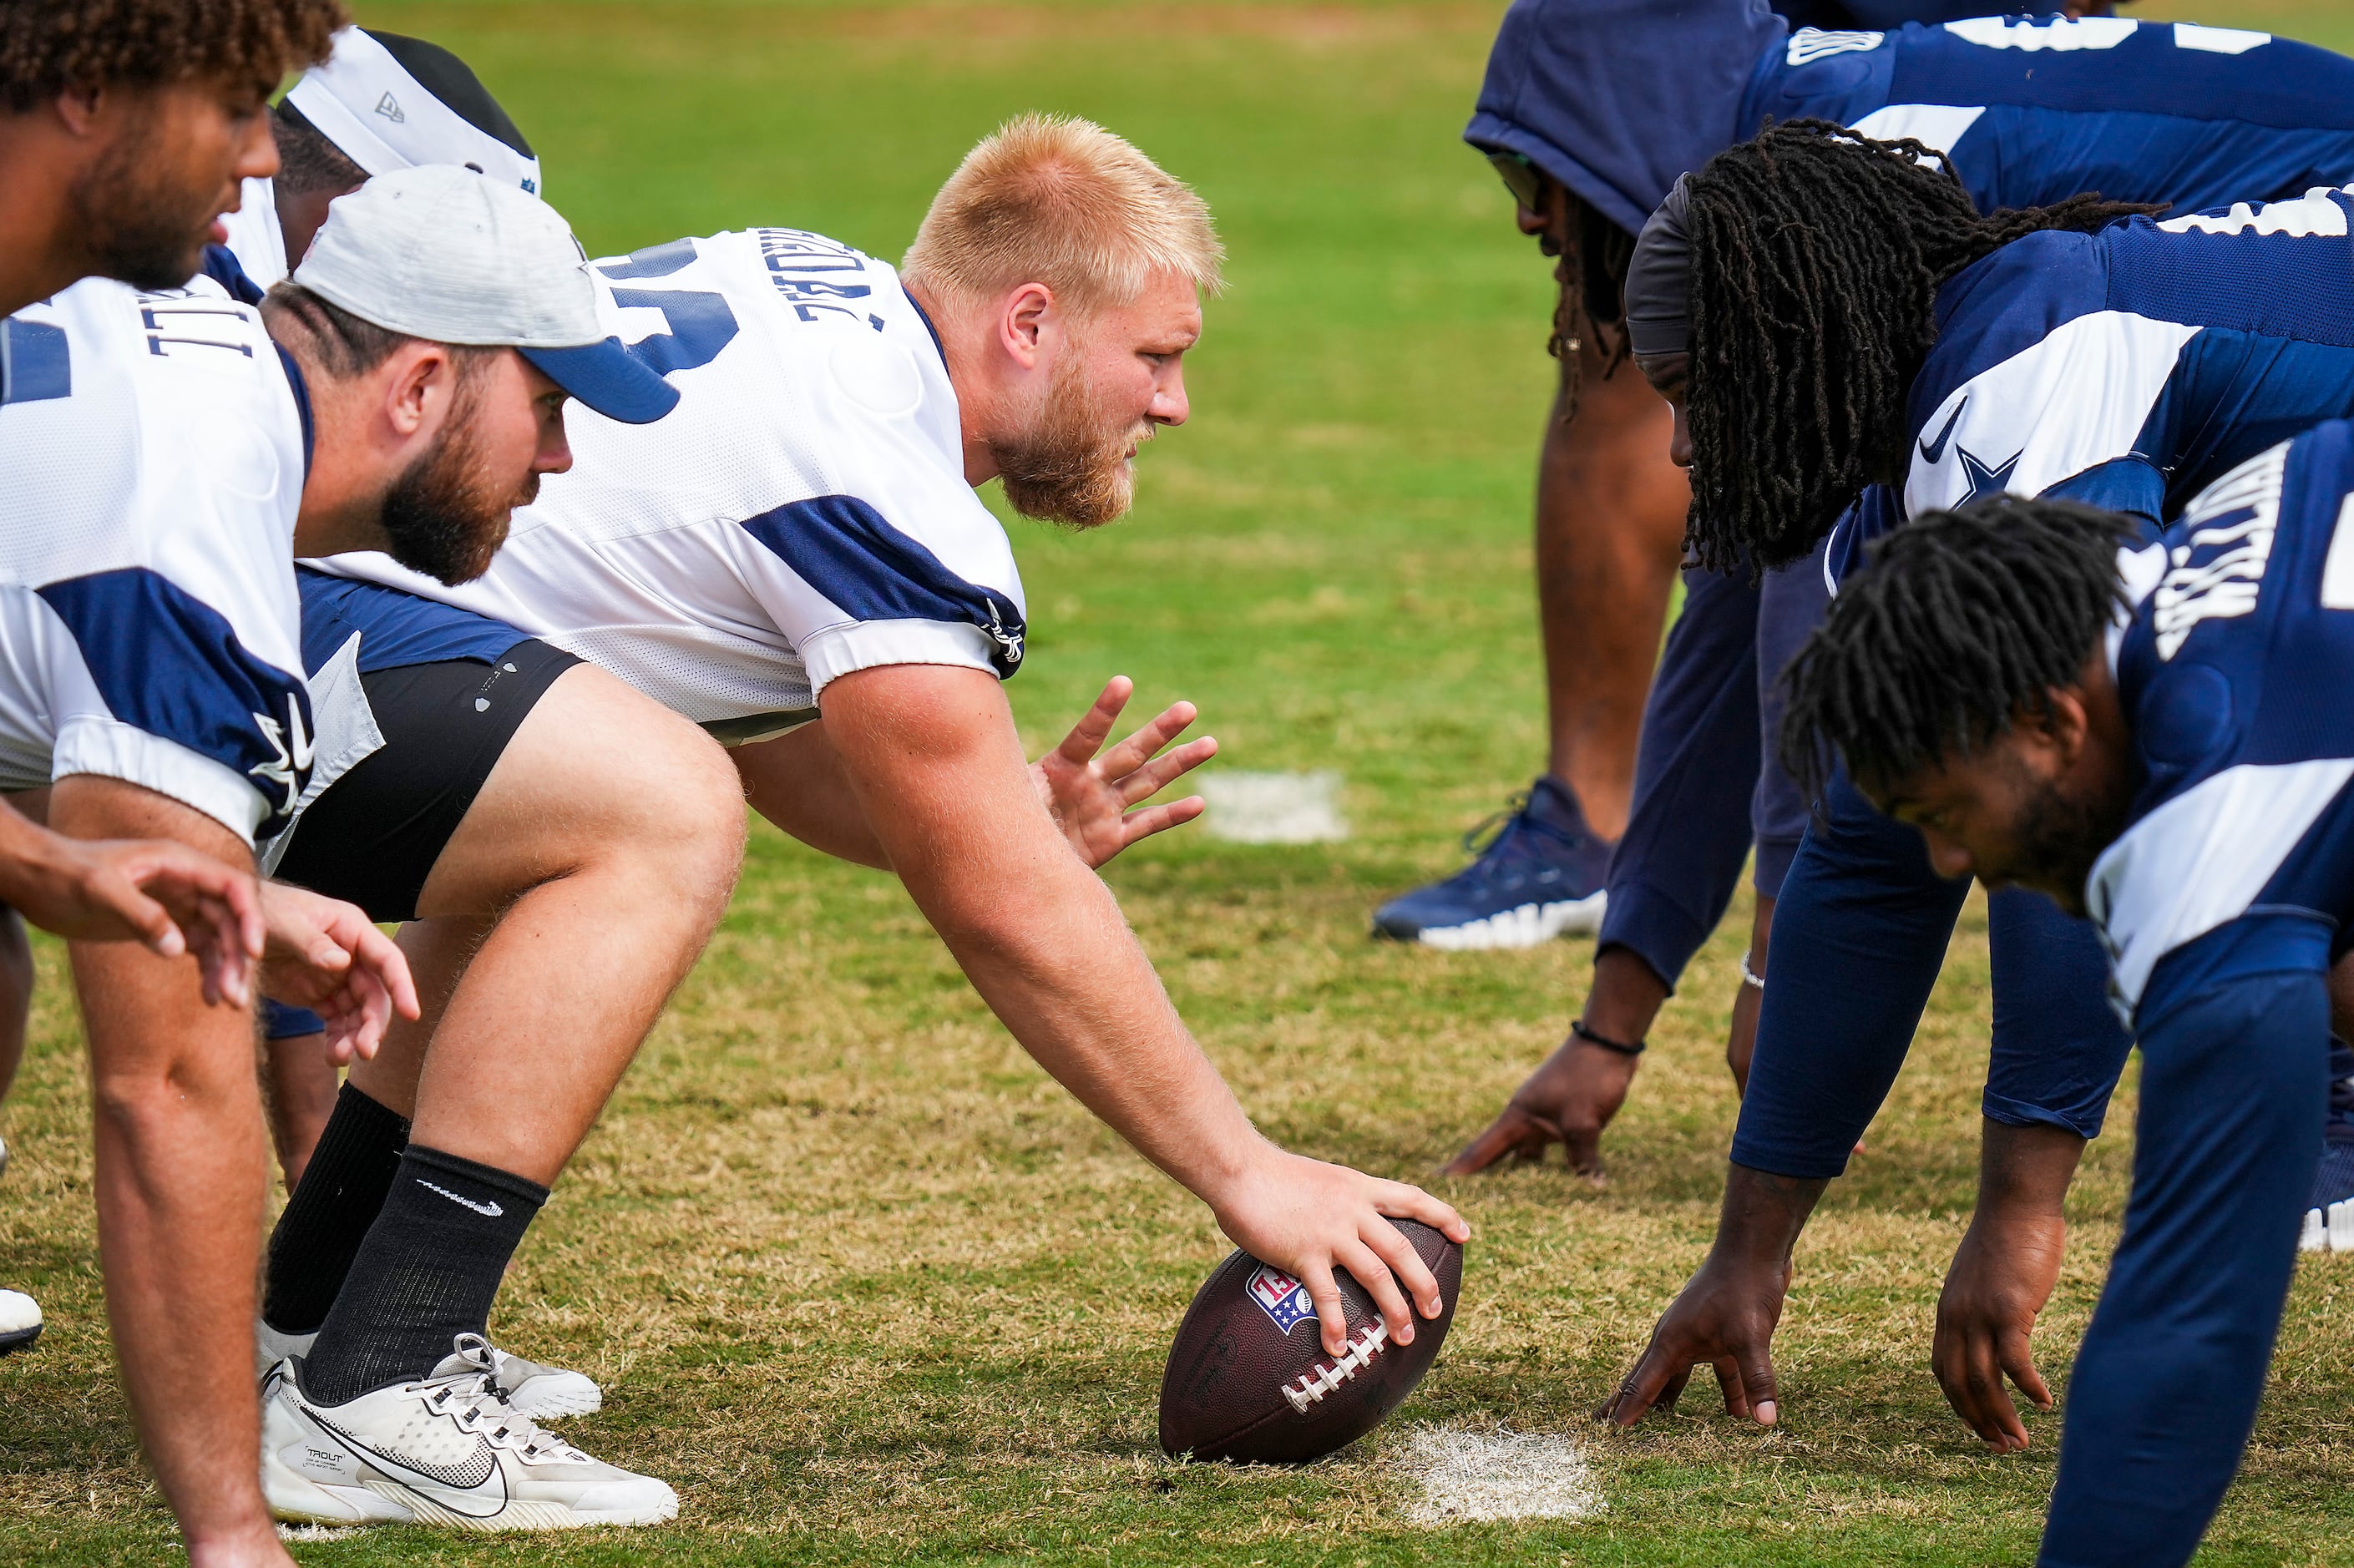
pixel 451 256
pixel 383 117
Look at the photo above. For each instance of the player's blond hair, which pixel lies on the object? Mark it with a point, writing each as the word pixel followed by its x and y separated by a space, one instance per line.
pixel 1062 202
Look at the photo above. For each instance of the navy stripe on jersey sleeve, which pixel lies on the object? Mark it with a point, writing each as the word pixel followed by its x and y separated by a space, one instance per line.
pixel 846 550
pixel 170 664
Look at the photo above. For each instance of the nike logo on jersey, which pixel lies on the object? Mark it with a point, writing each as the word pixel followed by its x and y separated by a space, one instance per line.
pixel 491 1208
pixel 1932 452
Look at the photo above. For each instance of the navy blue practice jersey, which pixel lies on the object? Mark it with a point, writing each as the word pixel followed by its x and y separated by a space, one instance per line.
pixel 2127 368
pixel 2033 110
pixel 2235 674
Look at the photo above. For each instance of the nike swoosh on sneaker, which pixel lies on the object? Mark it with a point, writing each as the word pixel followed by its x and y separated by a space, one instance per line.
pixel 490 1208
pixel 480 1466
pixel 1932 451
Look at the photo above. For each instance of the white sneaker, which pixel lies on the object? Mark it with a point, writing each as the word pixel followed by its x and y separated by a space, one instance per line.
pixel 20 1321
pixel 447 1450
pixel 542 1393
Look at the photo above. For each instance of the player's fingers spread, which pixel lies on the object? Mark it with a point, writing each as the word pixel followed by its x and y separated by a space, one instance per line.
pixel 1640 1388
pixel 1152 820
pixel 1728 1383
pixel 1165 727
pixel 1331 1321
pixel 1157 775
pixel 1412 1274
pixel 1404 1200
pixel 1086 736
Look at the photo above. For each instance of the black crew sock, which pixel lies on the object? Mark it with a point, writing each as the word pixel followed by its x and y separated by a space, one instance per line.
pixel 426 1273
pixel 330 1212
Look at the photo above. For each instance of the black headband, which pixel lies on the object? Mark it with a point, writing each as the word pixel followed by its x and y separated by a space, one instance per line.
pixel 1659 279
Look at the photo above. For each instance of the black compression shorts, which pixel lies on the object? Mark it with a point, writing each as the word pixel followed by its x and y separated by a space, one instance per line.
pixel 374 835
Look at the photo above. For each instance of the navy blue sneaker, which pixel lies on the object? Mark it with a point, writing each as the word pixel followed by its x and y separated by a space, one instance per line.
pixel 2329 1217
pixel 1540 876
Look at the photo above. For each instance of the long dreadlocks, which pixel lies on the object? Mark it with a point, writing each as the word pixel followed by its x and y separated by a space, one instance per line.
pixel 1961 622
pixel 1817 255
pixel 1591 272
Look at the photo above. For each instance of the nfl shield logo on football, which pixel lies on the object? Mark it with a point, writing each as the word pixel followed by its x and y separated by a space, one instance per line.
pixel 1283 1299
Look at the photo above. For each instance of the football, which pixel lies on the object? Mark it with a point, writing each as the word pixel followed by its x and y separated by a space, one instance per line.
pixel 1248 1380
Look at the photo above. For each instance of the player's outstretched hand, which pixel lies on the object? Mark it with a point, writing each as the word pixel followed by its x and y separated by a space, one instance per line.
pixel 1090 795
pixel 1723 1318
pixel 165 895
pixel 1568 1100
pixel 1305 1216
pixel 2003 1273
pixel 325 955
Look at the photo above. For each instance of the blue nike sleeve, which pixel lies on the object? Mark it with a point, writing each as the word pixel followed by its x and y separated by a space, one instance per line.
pixel 2132 484
pixel 2234 1030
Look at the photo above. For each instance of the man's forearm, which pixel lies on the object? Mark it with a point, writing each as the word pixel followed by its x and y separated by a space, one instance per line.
pixel 1764 1213
pixel 1047 949
pixel 2026 1170
pixel 180 1179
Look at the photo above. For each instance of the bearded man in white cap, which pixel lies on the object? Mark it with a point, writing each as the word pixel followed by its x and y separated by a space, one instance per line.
pixel 151 501
pixel 382 101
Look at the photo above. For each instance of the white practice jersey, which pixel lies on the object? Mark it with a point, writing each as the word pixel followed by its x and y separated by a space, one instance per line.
pixel 152 454
pixel 802 512
pixel 255 238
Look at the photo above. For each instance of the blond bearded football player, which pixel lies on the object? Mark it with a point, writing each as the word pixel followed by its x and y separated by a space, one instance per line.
pixel 796 561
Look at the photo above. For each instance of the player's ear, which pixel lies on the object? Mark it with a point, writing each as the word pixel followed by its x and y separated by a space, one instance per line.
pixel 421 382
pixel 1021 325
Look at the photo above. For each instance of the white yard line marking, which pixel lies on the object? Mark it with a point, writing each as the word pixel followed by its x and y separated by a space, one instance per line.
pixel 1273 808
pixel 1479 1477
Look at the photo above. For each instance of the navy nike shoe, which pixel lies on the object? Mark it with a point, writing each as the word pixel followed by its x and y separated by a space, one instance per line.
pixel 2329 1217
pixel 1540 876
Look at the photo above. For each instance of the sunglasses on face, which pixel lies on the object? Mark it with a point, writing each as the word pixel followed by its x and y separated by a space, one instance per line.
pixel 1521 177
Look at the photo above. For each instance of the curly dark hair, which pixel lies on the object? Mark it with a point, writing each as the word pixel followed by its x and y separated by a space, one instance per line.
pixel 1816 257
pixel 1960 621
pixel 47 45
pixel 1592 274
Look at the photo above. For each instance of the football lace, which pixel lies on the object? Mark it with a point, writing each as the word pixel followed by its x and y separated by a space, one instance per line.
pixel 1312 1386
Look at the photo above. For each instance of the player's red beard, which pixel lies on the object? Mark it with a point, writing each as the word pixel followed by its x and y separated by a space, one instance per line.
pixel 1072 464
pixel 447 515
pixel 135 217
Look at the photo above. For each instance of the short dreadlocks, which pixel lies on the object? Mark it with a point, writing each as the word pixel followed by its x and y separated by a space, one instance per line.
pixel 1817 256
pixel 1960 622
pixel 1592 273
pixel 48 46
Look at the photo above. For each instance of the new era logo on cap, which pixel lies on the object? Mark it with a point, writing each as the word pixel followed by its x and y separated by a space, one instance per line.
pixel 450 256
pixel 390 109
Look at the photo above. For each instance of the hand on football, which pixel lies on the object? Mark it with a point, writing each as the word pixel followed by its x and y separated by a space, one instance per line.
pixel 325 955
pixel 167 897
pixel 1306 1217
pixel 1568 1100
pixel 1723 1318
pixel 1090 796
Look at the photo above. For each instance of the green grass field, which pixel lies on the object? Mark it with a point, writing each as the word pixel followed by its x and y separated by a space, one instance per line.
pixel 860 1280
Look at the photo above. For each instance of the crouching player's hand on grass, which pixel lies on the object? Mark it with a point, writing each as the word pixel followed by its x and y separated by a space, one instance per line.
pixel 325 955
pixel 1089 796
pixel 1306 1217
pixel 1726 1314
pixel 1568 1100
pixel 2003 1274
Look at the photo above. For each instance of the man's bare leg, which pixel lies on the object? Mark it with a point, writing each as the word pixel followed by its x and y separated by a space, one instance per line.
pixel 15 995
pixel 1610 524
pixel 179 1186
pixel 609 834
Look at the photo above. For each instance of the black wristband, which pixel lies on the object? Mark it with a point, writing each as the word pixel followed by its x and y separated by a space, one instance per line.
pixel 1579 1030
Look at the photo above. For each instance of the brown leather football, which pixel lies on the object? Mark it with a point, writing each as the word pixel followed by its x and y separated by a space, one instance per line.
pixel 1248 1379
